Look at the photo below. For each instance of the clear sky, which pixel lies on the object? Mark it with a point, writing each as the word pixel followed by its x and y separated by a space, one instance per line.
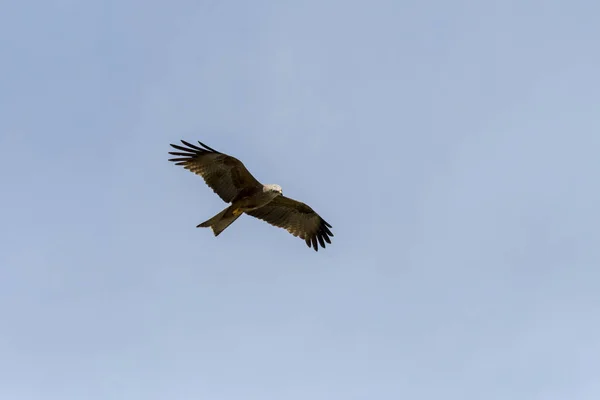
pixel 453 145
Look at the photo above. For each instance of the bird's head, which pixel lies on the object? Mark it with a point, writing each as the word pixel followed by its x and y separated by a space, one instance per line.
pixel 273 189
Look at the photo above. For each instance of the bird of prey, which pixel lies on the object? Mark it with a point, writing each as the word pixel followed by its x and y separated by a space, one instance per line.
pixel 233 183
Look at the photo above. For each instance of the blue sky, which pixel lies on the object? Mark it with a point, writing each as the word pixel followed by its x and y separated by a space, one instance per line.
pixel 453 146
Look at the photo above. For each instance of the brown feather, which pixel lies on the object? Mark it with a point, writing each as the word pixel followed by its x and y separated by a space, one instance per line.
pixel 297 218
pixel 225 175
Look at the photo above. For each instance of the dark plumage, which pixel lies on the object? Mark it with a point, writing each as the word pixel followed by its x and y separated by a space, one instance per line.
pixel 233 183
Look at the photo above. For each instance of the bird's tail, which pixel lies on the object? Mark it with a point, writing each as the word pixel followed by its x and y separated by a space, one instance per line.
pixel 222 220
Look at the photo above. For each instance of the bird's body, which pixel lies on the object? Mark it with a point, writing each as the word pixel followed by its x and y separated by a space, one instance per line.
pixel 229 178
pixel 257 198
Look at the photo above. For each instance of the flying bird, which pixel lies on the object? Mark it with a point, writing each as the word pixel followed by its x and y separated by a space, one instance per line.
pixel 233 183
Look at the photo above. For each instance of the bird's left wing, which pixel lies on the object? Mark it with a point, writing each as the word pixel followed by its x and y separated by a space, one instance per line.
pixel 297 218
pixel 225 175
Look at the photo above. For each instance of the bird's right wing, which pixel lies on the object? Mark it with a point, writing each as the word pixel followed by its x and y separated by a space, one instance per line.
pixel 297 218
pixel 225 175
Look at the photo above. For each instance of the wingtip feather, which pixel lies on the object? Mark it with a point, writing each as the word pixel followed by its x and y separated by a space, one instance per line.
pixel 207 147
pixel 193 146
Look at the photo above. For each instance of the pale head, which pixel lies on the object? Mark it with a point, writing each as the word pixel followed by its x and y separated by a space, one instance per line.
pixel 272 188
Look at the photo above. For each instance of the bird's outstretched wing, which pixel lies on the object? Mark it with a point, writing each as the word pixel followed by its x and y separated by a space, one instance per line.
pixel 225 175
pixel 297 218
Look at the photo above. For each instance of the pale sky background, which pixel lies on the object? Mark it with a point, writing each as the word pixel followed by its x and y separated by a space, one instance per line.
pixel 453 145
